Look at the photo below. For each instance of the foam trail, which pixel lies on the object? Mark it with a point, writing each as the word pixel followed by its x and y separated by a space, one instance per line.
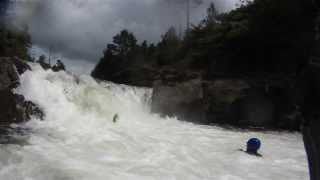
pixel 78 140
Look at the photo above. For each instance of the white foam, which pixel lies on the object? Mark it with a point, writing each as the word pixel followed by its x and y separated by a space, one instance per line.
pixel 78 140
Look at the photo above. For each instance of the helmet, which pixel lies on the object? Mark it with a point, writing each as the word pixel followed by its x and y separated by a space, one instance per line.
pixel 253 145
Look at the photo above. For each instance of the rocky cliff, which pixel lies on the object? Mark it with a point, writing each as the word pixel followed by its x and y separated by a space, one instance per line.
pixel 14 108
pixel 240 102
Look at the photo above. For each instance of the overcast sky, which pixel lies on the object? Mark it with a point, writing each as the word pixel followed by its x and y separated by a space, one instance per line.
pixel 80 29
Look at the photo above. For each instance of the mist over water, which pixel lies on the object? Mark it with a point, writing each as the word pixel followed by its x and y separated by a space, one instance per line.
pixel 78 140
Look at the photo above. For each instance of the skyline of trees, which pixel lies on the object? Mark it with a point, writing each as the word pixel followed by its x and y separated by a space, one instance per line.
pixel 263 37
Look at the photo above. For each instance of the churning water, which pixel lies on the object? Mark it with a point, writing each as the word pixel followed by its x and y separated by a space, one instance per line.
pixel 79 141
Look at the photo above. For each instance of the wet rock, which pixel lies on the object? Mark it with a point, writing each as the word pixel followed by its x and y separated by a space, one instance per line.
pixel 9 77
pixel 226 101
pixel 257 109
pixel 28 109
pixel 59 66
pixel 223 99
pixel 14 108
pixel 183 100
pixel 20 65
pixel 247 103
pixel 9 111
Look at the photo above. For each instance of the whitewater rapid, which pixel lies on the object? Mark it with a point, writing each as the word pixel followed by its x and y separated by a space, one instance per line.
pixel 79 141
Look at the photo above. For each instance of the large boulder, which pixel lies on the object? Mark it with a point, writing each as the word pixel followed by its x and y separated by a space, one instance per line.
pixel 184 100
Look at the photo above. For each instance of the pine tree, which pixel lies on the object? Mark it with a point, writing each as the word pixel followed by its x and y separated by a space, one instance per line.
pixel 212 14
pixel 124 42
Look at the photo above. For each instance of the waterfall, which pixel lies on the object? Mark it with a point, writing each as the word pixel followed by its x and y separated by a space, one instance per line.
pixel 78 139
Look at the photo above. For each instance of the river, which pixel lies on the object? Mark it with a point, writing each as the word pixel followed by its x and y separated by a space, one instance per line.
pixel 78 139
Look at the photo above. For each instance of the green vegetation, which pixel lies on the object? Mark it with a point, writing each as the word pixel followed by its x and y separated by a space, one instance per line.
pixel 14 42
pixel 259 38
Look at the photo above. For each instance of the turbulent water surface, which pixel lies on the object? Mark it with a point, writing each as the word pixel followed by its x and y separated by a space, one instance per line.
pixel 79 141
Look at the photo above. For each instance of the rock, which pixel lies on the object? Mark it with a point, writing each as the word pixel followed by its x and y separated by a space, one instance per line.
pixel 28 109
pixel 59 66
pixel 14 108
pixel 247 103
pixel 183 100
pixel 291 120
pixel 257 109
pixel 223 99
pixel 44 65
pixel 10 113
pixel 8 74
pixel 21 66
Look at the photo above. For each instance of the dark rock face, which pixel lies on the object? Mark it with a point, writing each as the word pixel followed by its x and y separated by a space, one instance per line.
pixel 142 76
pixel 59 66
pixel 45 65
pixel 184 100
pixel 9 111
pixel 9 77
pixel 257 109
pixel 14 108
pixel 20 65
pixel 235 102
pixel 223 100
pixel 27 109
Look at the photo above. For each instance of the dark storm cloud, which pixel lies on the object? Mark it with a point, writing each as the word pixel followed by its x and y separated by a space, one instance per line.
pixel 82 28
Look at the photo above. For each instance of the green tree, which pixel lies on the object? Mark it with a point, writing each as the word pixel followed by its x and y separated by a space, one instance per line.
pixel 168 47
pixel 14 42
pixel 117 55
pixel 212 15
pixel 124 43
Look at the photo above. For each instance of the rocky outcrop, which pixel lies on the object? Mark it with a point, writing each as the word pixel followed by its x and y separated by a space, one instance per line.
pixel 231 101
pixel 223 99
pixel 20 65
pixel 184 100
pixel 256 109
pixel 9 77
pixel 14 108
pixel 59 66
